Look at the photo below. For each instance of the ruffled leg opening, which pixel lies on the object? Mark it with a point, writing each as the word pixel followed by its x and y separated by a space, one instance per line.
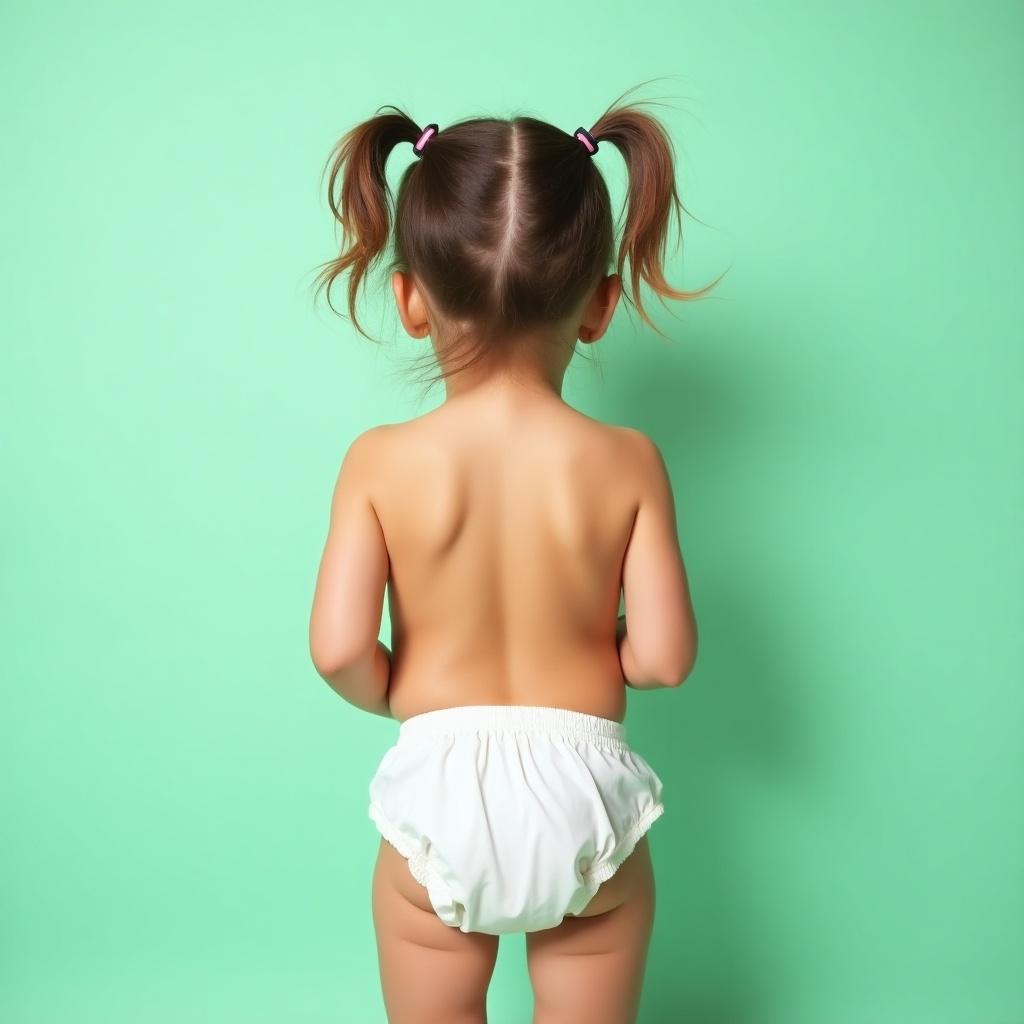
pixel 421 868
pixel 601 872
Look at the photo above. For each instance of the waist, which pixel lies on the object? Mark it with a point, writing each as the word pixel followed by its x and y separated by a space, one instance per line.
pixel 527 718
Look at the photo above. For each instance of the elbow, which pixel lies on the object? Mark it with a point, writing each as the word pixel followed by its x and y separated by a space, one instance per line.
pixel 667 651
pixel 677 678
pixel 328 668
pixel 334 652
pixel 331 664
pixel 670 670
pixel 680 671
pixel 672 680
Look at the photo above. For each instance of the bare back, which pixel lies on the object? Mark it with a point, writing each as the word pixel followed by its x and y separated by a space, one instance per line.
pixel 506 526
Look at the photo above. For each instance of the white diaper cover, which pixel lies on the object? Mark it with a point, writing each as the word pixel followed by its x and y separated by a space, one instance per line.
pixel 511 816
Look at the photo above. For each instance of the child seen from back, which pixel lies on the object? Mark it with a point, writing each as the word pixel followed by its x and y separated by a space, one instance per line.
pixel 505 528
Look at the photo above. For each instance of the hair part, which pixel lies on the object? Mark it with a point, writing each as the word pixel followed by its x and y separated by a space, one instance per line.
pixel 506 223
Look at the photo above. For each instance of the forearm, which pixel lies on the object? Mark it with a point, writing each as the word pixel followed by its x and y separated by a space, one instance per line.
pixel 365 683
pixel 633 672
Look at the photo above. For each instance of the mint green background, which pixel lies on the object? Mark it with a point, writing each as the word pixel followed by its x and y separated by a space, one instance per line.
pixel 184 801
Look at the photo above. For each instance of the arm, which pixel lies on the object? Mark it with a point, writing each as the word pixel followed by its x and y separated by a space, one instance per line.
pixel 345 619
pixel 657 637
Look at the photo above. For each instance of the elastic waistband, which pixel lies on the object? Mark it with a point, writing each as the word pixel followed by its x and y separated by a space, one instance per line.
pixel 512 717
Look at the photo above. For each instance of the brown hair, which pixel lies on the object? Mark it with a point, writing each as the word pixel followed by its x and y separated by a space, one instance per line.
pixel 507 224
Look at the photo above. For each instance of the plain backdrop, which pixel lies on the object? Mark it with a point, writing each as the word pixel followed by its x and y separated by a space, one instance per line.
pixel 185 832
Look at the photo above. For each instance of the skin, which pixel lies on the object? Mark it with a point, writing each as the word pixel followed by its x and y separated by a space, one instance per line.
pixel 504 527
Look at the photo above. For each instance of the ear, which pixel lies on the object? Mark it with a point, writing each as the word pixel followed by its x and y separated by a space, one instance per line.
pixel 411 308
pixel 597 313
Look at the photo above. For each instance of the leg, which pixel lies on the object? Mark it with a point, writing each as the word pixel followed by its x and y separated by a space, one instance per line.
pixel 430 972
pixel 589 969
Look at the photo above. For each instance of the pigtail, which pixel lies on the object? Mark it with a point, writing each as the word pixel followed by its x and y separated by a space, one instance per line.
pixel 359 158
pixel 652 199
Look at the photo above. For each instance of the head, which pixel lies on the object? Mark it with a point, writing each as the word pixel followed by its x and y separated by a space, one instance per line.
pixel 504 246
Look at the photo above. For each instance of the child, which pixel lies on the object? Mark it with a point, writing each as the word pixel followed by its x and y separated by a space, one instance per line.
pixel 506 525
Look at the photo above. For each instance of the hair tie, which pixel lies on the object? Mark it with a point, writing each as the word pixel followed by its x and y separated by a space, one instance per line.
pixel 587 139
pixel 427 133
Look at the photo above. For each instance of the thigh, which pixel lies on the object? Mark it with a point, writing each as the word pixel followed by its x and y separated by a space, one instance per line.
pixel 590 968
pixel 430 972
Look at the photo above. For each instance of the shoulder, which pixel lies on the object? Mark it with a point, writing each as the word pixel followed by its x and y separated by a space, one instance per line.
pixel 396 449
pixel 624 449
pixel 643 464
pixel 364 449
pixel 370 443
pixel 362 460
pixel 641 449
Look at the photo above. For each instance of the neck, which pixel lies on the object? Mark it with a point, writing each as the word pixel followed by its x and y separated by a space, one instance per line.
pixel 538 371
pixel 521 378
pixel 502 385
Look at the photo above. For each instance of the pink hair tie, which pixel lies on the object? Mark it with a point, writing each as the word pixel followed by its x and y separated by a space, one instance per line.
pixel 587 139
pixel 430 130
